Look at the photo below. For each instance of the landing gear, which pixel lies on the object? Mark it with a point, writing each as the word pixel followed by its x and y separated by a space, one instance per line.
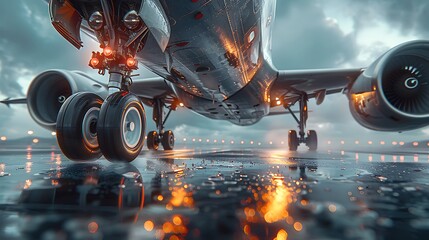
pixel 293 139
pixel 166 138
pixel 121 127
pixel 76 126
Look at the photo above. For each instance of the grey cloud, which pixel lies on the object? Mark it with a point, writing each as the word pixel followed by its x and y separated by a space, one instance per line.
pixel 304 38
pixel 29 43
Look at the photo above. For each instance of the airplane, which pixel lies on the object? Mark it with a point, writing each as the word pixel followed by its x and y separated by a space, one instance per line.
pixel 212 57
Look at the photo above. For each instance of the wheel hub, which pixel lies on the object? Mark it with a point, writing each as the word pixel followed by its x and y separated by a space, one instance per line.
pixel 131 127
pixel 89 127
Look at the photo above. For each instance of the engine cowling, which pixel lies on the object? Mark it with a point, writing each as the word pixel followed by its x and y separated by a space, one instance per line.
pixel 48 91
pixel 392 94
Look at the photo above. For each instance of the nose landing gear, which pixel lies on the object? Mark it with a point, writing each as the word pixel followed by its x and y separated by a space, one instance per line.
pixel 293 139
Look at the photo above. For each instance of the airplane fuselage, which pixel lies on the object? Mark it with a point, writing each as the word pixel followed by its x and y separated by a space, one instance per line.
pixel 218 58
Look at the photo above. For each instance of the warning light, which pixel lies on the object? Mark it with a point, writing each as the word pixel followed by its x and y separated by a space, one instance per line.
pixel 131 62
pixel 108 52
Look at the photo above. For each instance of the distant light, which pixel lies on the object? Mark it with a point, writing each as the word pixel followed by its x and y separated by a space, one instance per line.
pixel 242 142
pixel 329 142
pixel 193 139
pixel 271 142
pixel 181 104
pixel 92 227
pixel 94 62
pixel 251 142
pixel 184 139
pixel 30 132
pixel 35 140
pixel 259 144
pixel 148 225
pixel 54 133
pixel 208 140
pixel 232 142
pixel 356 142
pixel 223 141
pixel 370 142
pixel 200 140
pixel 215 141
pixel 342 142
pixel 382 142
pixel 279 103
pixel 3 138
pixel 401 143
pixel 394 143
pixel 415 144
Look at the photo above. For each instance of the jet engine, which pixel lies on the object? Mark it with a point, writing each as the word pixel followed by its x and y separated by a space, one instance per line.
pixel 392 94
pixel 48 91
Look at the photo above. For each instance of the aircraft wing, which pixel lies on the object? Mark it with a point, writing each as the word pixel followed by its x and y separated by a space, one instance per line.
pixel 289 85
pixel 151 88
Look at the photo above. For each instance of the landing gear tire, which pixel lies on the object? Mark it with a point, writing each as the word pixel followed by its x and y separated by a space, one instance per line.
pixel 153 140
pixel 121 127
pixel 293 140
pixel 76 127
pixel 168 140
pixel 311 140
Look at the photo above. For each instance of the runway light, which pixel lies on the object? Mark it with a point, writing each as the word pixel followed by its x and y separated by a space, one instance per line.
pixel 30 132
pixel 92 227
pixel 108 51
pixel 148 225
pixel 3 138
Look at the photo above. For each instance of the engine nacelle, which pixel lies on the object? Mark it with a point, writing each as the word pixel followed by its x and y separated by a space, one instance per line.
pixel 392 94
pixel 48 91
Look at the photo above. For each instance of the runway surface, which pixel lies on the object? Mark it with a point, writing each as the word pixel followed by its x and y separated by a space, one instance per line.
pixel 216 194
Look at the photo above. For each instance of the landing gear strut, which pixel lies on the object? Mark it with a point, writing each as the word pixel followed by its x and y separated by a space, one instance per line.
pixel 293 139
pixel 166 138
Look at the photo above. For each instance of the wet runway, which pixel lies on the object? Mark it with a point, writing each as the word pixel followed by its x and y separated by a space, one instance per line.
pixel 216 194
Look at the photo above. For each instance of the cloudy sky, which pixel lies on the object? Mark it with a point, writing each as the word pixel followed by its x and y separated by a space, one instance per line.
pixel 308 34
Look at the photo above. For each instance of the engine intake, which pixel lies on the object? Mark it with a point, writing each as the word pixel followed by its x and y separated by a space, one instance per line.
pixel 48 91
pixel 392 94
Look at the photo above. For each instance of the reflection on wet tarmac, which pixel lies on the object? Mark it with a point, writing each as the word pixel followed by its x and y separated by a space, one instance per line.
pixel 195 194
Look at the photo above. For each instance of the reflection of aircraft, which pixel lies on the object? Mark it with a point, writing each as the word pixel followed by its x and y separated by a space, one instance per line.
pixel 212 57
pixel 84 193
pixel 87 186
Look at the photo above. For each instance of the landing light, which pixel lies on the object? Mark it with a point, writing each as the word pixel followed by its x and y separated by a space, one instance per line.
pixel 107 51
pixel 131 20
pixel 94 62
pixel 96 21
pixel 131 62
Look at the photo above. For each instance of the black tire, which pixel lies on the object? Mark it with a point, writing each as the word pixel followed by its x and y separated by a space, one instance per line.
pixel 117 142
pixel 76 127
pixel 153 140
pixel 311 140
pixel 168 140
pixel 293 140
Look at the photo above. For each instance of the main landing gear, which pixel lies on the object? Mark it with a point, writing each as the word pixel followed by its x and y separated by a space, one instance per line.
pixel 88 128
pixel 293 139
pixel 166 138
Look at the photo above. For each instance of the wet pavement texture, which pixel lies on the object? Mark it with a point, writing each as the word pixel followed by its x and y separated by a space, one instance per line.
pixel 216 194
